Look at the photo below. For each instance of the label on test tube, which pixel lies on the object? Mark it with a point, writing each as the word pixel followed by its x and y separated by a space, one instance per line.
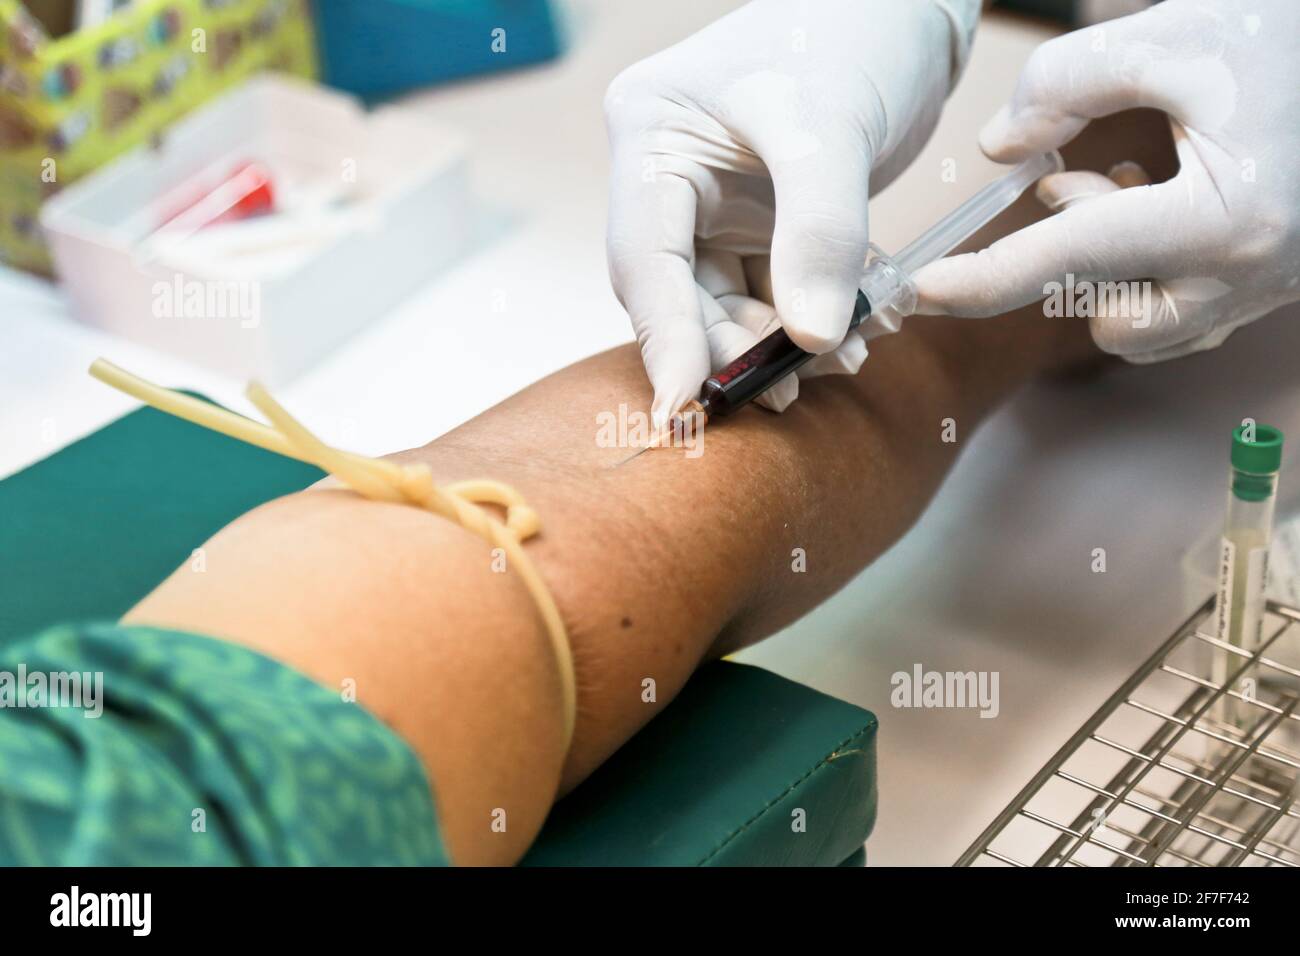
pixel 1241 593
pixel 1223 600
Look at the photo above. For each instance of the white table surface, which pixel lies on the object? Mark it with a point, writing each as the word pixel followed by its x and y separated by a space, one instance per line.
pixel 995 577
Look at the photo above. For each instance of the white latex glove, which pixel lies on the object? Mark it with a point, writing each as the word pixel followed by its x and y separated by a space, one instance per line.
pixel 748 151
pixel 1221 240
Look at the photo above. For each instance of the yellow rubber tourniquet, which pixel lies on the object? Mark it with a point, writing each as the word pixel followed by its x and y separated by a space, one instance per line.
pixel 380 480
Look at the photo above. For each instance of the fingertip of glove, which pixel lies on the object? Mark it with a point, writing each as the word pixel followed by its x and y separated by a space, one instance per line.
pixel 668 401
pixel 1013 135
pixel 1062 190
pixel 933 282
pixel 997 139
pixel 845 360
pixel 819 318
pixel 945 287
pixel 781 395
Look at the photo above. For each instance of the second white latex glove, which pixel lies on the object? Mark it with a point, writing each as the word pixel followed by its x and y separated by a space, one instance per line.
pixel 742 159
pixel 1220 241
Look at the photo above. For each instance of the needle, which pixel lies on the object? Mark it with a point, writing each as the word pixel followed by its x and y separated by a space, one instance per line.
pixel 685 423
pixel 635 454
pixel 654 443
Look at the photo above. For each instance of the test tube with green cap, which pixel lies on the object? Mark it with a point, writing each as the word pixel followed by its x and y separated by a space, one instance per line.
pixel 1256 459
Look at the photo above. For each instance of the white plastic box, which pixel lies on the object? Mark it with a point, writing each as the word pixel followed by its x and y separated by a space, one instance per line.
pixel 405 216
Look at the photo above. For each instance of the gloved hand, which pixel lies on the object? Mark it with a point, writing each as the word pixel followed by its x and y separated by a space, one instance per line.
pixel 742 159
pixel 1221 240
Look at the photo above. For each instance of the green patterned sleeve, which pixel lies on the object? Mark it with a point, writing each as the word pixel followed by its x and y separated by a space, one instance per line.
pixel 194 751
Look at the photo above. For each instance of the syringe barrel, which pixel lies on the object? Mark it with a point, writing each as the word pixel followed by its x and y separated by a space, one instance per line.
pixel 968 218
pixel 765 364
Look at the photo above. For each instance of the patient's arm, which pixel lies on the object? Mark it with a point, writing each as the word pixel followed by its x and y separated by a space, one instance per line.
pixel 656 565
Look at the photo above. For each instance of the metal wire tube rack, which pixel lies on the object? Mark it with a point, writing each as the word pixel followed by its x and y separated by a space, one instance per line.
pixel 1175 769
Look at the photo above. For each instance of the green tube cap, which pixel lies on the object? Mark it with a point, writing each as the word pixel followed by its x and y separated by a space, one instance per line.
pixel 1263 456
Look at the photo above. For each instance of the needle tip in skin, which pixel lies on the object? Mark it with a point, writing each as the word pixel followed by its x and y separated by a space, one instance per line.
pixel 635 454
pixel 692 416
pixel 654 442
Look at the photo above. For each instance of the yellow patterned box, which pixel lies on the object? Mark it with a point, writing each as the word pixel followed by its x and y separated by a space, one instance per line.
pixel 69 104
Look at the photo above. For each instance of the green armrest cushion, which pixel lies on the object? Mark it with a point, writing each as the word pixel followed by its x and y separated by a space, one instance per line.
pixel 743 768
pixel 95 527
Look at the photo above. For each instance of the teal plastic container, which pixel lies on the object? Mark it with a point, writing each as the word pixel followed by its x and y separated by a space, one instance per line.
pixel 378 47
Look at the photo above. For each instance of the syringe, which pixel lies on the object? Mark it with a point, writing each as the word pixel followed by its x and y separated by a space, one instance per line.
pixel 886 295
